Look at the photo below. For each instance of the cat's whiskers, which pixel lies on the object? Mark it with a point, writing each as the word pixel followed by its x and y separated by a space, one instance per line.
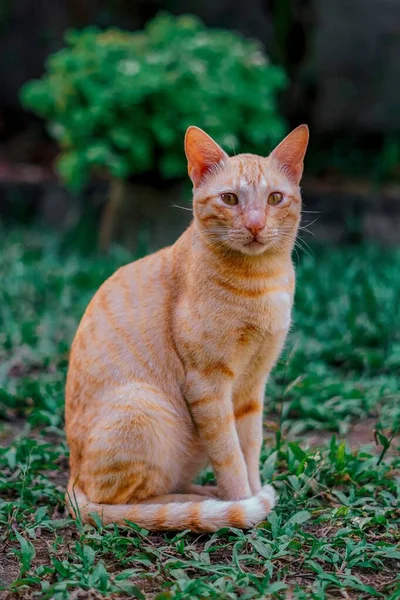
pixel 182 207
pixel 284 236
pixel 298 241
pixel 215 233
pixel 215 238
pixel 305 227
pixel 308 250
pixel 308 224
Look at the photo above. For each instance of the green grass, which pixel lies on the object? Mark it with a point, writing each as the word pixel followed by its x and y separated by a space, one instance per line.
pixel 335 532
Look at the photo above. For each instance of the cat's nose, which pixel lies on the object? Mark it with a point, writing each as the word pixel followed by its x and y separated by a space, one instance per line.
pixel 255 223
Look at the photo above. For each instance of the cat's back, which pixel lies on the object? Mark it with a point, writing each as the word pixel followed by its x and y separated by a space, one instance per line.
pixel 134 289
pixel 124 335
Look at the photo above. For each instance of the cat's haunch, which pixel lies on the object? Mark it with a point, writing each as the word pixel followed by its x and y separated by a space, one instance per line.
pixel 170 361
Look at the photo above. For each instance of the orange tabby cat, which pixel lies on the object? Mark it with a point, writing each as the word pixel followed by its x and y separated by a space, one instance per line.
pixel 170 361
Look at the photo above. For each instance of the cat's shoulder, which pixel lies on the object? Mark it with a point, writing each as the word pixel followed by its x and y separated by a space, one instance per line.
pixel 146 265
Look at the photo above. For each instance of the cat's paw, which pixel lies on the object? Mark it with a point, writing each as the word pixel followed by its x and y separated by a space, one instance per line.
pixel 256 508
pixel 268 496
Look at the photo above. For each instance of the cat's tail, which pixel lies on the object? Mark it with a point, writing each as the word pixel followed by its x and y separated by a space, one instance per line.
pixel 197 516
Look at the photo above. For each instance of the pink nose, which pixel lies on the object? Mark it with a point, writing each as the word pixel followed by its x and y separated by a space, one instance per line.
pixel 255 223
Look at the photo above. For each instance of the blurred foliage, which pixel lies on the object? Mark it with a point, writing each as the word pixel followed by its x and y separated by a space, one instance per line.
pixel 119 102
pixel 374 157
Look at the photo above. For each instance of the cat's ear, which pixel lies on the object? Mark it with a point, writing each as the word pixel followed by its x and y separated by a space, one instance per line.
pixel 202 153
pixel 291 151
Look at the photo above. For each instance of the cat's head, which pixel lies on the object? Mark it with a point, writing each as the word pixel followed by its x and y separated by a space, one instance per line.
pixel 247 203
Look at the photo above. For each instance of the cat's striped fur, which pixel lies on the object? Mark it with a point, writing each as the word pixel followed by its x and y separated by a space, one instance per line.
pixel 170 361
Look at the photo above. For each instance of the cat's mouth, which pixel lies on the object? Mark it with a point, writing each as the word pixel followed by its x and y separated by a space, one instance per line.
pixel 254 246
pixel 254 243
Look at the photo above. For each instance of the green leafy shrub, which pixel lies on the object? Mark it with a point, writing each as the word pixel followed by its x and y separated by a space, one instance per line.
pixel 119 102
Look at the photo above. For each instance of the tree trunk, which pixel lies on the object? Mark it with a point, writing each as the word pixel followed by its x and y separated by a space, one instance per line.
pixel 143 218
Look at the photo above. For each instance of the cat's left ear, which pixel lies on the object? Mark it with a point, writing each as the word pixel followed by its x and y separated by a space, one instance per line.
pixel 291 151
pixel 202 153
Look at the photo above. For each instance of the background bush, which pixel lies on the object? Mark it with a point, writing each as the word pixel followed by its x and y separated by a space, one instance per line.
pixel 120 102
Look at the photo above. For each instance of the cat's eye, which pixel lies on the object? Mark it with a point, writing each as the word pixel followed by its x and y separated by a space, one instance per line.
pixel 275 198
pixel 230 199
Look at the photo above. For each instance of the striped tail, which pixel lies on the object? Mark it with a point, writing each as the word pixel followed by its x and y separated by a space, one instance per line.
pixel 202 516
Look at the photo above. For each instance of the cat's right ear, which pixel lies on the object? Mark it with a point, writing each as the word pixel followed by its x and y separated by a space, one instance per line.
pixel 202 153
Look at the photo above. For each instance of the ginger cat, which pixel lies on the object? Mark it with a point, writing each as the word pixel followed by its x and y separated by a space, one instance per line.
pixel 170 361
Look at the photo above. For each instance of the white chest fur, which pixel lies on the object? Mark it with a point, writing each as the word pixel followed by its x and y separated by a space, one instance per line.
pixel 278 310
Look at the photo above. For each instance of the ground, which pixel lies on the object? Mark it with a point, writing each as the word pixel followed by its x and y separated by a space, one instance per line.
pixel 332 407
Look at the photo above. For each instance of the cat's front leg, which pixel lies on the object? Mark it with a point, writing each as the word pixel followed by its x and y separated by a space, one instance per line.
pixel 248 402
pixel 210 402
pixel 248 417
